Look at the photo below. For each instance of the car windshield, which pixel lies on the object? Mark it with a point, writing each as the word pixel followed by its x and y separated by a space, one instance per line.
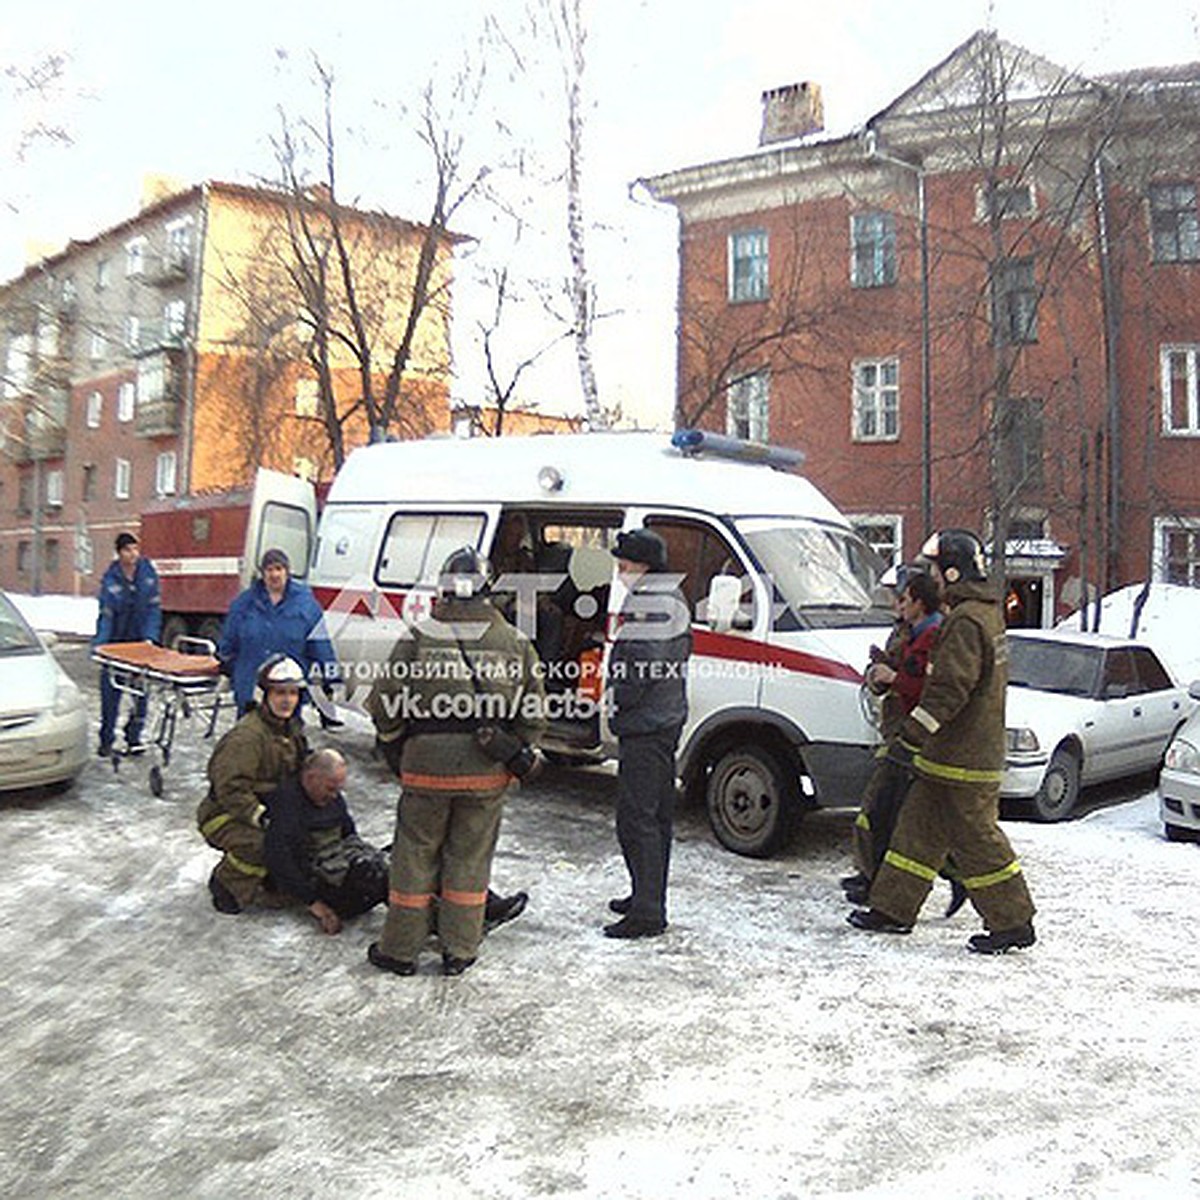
pixel 1053 666
pixel 15 635
pixel 827 574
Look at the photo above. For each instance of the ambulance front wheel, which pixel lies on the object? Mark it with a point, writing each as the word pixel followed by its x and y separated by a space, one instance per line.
pixel 752 801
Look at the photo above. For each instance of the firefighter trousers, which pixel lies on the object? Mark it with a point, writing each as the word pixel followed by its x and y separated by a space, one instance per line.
pixel 441 864
pixel 939 819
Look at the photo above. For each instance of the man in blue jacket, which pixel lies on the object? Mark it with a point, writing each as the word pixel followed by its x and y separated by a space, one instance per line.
pixel 130 611
pixel 276 614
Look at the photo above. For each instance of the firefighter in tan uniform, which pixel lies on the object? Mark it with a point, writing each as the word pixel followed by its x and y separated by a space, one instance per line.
pixel 955 742
pixel 249 762
pixel 457 711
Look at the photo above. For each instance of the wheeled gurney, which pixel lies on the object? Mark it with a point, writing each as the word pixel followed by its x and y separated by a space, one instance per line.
pixel 176 683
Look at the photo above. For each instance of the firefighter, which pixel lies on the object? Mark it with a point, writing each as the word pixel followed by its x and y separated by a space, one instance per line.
pixel 457 712
pixel 249 762
pixel 954 743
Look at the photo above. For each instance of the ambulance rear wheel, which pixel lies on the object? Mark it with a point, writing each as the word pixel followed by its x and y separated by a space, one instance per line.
pixel 210 628
pixel 174 627
pixel 752 802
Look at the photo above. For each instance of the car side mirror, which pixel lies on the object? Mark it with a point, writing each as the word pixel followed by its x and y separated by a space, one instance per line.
pixel 722 608
pixel 1194 689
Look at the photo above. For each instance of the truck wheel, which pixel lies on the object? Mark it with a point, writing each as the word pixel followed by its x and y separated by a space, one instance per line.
pixel 751 798
pixel 1060 786
pixel 210 628
pixel 173 627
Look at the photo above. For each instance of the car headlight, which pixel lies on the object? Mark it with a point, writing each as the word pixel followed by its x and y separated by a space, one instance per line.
pixel 1021 741
pixel 1183 756
pixel 67 696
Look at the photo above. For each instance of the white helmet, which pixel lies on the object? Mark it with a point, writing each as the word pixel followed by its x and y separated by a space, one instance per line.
pixel 280 670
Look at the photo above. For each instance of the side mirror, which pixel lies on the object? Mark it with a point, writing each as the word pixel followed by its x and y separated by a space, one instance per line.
pixel 722 608
pixel 1194 690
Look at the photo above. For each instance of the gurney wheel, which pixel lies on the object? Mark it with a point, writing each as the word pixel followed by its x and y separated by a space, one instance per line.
pixel 156 781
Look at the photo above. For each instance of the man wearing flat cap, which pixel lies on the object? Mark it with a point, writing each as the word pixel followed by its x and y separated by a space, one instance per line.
pixel 647 683
pixel 276 614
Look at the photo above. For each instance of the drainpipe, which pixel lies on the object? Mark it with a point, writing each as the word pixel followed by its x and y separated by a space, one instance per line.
pixel 1108 304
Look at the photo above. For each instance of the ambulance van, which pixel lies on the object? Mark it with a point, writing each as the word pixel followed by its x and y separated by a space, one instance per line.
pixel 782 591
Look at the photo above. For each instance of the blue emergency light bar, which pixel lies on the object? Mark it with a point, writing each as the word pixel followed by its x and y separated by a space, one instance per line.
pixel 694 442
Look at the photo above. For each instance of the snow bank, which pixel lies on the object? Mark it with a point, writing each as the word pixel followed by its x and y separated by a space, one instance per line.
pixel 74 615
pixel 1168 623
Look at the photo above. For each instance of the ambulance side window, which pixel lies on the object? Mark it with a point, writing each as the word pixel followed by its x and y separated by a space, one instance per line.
pixel 416 544
pixel 698 552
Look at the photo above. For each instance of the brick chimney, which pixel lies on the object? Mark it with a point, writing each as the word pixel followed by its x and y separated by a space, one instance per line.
pixel 791 112
pixel 156 187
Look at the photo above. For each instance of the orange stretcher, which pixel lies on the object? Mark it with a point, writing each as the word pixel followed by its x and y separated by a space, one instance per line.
pixel 185 681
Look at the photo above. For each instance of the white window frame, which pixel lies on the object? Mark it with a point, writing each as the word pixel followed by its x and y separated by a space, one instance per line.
pixel 308 398
pixel 748 398
pixel 1164 526
pixel 126 401
pixel 133 331
pixel 123 479
pixel 102 274
pixel 151 379
pixel 755 284
pixel 18 368
pixel 165 473
pixel 1191 384
pixel 96 345
pixel 872 399
pixel 985 200
pixel 893 555
pixel 54 488
pixel 95 409
pixel 873 229
pixel 174 319
pixel 1184 229
pixel 179 239
pixel 135 257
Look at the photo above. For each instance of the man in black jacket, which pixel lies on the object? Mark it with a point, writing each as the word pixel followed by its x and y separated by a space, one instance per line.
pixel 648 685
pixel 312 849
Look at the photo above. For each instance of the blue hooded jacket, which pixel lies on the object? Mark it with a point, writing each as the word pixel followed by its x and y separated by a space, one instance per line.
pixel 255 628
pixel 130 609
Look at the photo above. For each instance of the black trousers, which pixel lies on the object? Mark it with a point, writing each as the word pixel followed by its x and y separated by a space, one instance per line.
pixel 645 810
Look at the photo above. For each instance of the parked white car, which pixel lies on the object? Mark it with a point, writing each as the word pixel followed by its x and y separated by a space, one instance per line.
pixel 1082 708
pixel 1179 783
pixel 43 717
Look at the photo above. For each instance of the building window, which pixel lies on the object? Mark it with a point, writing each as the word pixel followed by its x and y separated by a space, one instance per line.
pixel 70 293
pixel 24 557
pixel 18 366
pixel 1177 550
pixel 1014 302
pixel 1174 228
pixel 1181 409
pixel 1020 443
pixel 54 488
pixel 152 379
pixel 747 402
pixel 876 415
pixel 25 494
pixel 133 331
pixel 175 320
pixel 135 256
pixel 96 345
pixel 883 534
pixel 89 481
pixel 1026 528
pixel 126 395
pixel 307 400
pixel 748 273
pixel 95 409
pixel 164 474
pixel 873 249
pixel 50 556
pixel 123 479
pixel 101 274
pixel 1003 200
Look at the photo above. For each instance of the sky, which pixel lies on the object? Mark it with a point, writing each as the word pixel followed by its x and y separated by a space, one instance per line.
pixel 668 83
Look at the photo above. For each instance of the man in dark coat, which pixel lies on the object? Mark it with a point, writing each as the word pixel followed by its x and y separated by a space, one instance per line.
pixel 955 742
pixel 648 685
pixel 130 611
pixel 311 847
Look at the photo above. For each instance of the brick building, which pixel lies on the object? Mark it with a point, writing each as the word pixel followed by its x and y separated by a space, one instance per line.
pixel 164 357
pixel 980 309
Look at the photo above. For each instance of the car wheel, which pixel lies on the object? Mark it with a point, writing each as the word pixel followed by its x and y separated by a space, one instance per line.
pixel 752 802
pixel 1180 833
pixel 1060 786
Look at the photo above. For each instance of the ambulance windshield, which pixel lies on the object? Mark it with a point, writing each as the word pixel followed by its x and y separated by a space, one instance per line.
pixel 829 575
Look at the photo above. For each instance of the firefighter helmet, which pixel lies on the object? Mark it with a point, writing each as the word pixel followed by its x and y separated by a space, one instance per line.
pixel 958 554
pixel 280 670
pixel 464 574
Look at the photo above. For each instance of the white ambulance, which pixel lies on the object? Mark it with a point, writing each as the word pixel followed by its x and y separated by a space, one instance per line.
pixel 782 590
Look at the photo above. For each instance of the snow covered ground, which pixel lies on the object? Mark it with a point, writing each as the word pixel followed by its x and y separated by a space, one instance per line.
pixel 762 1048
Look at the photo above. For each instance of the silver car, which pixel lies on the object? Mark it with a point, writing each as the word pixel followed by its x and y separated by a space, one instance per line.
pixel 1179 782
pixel 43 718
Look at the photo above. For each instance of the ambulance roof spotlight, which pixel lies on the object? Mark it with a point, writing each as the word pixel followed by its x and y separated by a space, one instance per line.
pixel 550 479
pixel 692 443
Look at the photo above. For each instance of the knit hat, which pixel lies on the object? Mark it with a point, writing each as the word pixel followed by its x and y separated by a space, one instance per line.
pixel 642 546
pixel 274 558
pixel 125 539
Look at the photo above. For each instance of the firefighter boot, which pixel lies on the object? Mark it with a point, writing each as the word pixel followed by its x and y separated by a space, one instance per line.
pixel 1001 941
